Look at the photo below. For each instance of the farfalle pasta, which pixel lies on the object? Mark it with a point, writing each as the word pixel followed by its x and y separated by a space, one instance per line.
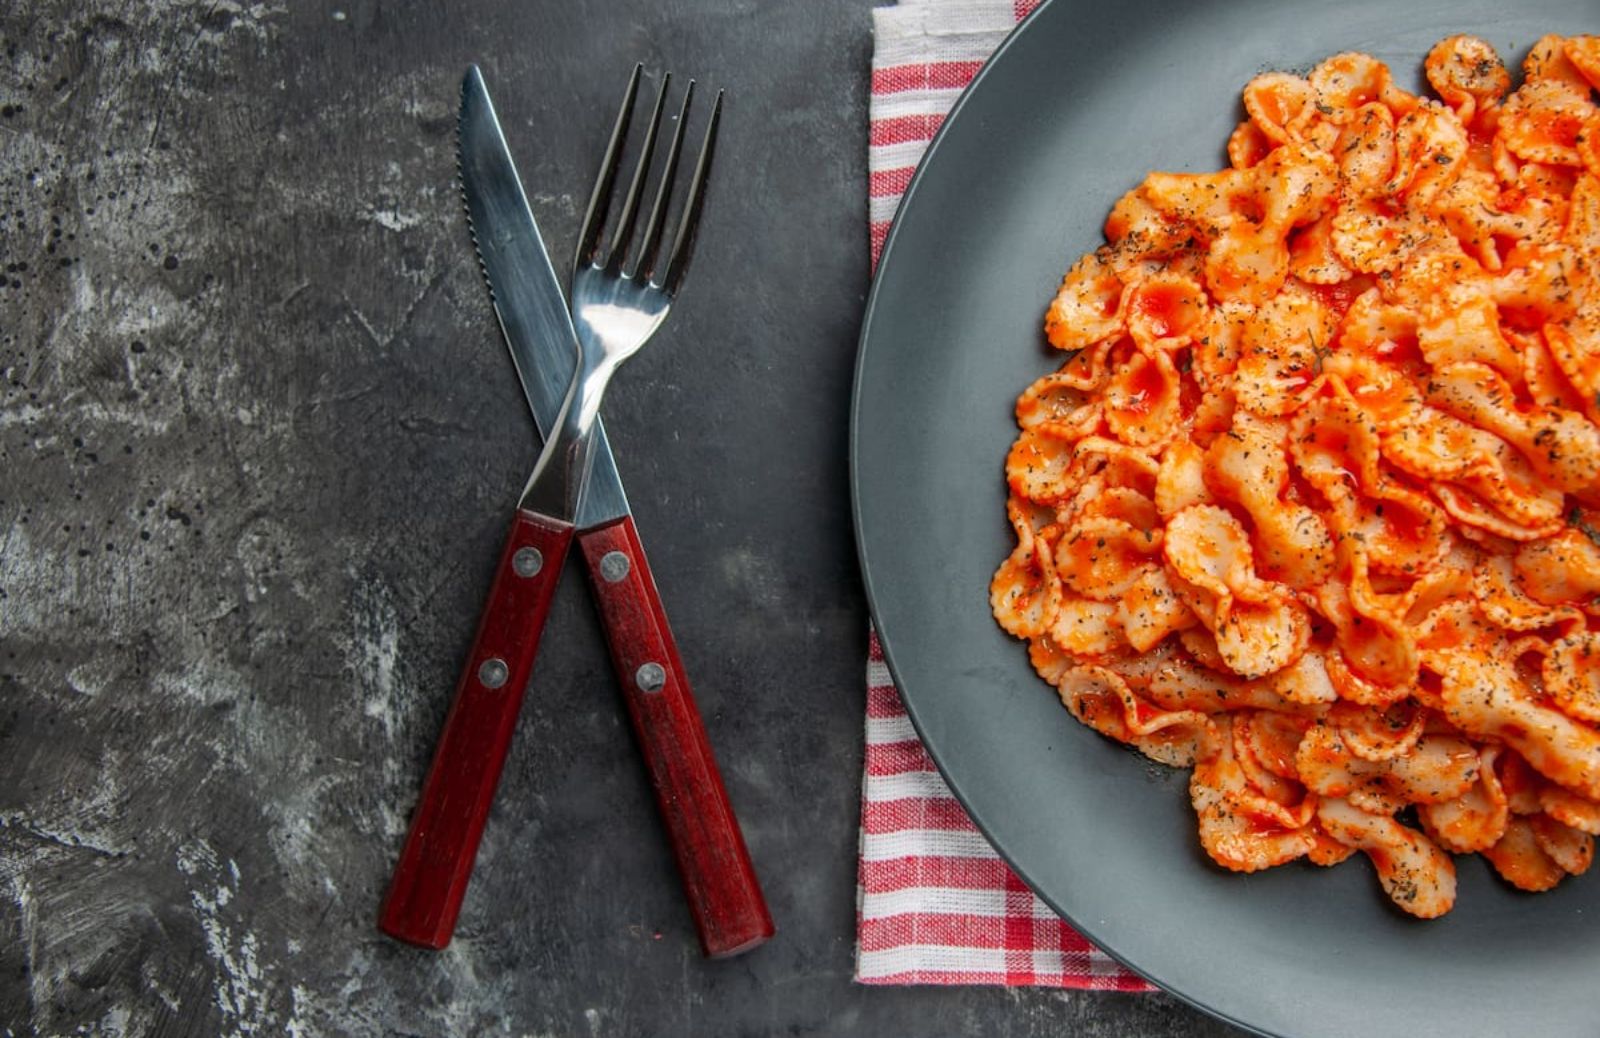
pixel 1313 505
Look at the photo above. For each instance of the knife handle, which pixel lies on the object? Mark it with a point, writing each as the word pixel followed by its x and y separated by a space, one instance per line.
pixel 724 895
pixel 431 878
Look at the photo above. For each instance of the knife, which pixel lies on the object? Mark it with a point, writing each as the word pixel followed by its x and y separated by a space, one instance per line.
pixel 430 879
pixel 724 895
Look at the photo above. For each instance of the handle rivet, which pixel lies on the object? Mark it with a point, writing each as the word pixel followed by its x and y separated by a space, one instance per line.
pixel 527 561
pixel 613 567
pixel 652 677
pixel 493 672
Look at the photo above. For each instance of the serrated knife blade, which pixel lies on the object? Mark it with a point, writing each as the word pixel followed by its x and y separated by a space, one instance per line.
pixel 527 297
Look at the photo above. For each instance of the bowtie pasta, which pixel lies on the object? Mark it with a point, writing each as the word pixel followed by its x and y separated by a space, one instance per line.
pixel 1313 505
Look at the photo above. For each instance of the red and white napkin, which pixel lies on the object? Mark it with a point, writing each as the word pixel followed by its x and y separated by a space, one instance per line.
pixel 935 904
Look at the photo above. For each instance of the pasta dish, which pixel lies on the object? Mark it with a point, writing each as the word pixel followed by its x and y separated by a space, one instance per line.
pixel 1313 505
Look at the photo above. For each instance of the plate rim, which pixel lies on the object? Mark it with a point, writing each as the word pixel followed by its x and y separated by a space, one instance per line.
pixel 923 164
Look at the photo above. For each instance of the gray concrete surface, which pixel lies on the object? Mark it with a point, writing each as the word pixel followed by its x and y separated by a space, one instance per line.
pixel 258 441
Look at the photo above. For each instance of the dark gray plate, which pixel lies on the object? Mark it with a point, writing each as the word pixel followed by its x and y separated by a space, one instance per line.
pixel 1079 104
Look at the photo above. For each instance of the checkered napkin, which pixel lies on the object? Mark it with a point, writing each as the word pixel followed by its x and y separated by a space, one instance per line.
pixel 935 904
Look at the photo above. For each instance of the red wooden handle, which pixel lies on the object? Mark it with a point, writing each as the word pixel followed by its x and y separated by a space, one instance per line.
pixel 724 895
pixel 431 879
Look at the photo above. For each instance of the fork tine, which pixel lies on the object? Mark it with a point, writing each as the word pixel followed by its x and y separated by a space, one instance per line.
pixel 645 265
pixel 630 205
pixel 600 199
pixel 683 242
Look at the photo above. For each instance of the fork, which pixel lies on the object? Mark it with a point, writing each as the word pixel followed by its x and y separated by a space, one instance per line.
pixel 616 311
pixel 618 301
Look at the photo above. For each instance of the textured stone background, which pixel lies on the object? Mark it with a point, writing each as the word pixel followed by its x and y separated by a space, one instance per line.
pixel 258 442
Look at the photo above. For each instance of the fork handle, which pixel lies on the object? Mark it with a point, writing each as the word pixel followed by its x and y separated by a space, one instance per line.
pixel 723 892
pixel 430 880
